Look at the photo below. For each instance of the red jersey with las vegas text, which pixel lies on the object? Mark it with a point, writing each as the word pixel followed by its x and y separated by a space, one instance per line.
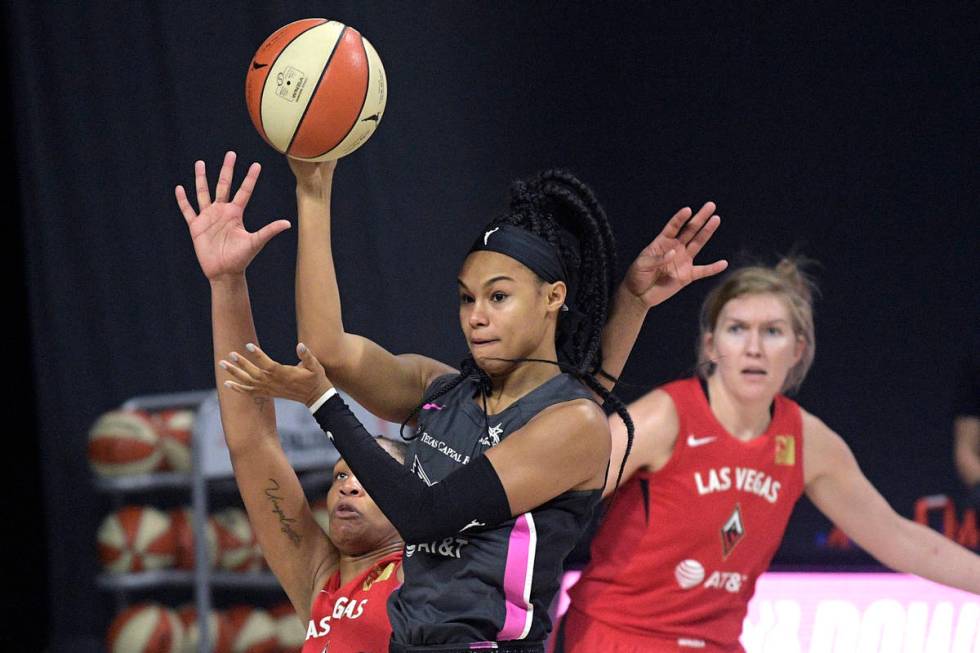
pixel 679 552
pixel 354 618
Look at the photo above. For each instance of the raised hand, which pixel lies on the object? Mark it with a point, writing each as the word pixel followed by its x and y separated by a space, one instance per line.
pixel 259 375
pixel 667 264
pixel 222 244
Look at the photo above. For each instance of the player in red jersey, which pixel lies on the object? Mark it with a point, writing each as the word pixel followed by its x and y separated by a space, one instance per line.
pixel 349 612
pixel 716 467
pixel 339 585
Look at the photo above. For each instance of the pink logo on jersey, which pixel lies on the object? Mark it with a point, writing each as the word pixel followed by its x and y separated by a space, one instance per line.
pixel 432 406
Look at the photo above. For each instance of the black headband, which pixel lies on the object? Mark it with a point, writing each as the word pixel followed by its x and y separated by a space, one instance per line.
pixel 524 247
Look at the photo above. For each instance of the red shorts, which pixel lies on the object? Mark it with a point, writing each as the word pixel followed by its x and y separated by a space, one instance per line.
pixel 579 633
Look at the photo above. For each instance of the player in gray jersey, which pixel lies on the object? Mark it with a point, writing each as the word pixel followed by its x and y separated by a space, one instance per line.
pixel 509 454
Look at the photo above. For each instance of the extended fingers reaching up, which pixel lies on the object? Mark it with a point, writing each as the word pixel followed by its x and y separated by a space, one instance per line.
pixel 221 242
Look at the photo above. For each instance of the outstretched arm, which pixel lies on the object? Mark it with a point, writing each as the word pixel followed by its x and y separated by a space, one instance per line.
pixel 297 550
pixel 507 481
pixel 837 487
pixel 387 385
pixel 663 267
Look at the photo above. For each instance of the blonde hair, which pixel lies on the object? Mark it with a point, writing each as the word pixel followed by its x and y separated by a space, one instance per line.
pixel 787 280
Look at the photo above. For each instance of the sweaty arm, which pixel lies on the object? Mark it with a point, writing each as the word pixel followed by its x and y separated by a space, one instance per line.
pixel 473 495
pixel 836 485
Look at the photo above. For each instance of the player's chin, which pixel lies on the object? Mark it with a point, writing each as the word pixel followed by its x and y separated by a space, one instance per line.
pixel 346 533
pixel 493 363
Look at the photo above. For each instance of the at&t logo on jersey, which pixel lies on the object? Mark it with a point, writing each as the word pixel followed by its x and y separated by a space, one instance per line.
pixel 343 608
pixel 450 547
pixel 690 574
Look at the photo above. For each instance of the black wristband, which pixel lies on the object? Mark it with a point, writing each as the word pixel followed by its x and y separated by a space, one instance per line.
pixel 471 496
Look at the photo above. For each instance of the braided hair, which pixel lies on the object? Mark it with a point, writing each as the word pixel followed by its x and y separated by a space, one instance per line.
pixel 558 207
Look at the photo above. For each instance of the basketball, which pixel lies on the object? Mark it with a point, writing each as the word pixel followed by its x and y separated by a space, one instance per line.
pixel 316 89
pixel 290 632
pixel 219 631
pixel 136 538
pixel 253 630
pixel 145 628
pixel 174 428
pixel 123 442
pixel 237 547
pixel 183 528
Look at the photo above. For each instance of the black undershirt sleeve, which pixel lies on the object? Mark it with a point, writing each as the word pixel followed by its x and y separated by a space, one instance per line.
pixel 471 496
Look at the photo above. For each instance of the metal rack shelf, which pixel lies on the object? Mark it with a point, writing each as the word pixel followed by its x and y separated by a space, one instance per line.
pixel 176 578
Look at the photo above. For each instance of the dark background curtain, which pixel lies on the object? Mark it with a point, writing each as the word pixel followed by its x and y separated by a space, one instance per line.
pixel 850 136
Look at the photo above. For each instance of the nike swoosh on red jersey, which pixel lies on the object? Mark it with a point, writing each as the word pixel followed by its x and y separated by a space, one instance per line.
pixel 697 442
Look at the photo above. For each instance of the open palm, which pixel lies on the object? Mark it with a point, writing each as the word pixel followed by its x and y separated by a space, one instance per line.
pixel 667 264
pixel 221 242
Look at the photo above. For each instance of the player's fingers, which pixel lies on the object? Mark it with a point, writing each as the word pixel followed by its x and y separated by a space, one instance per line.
pixel 201 186
pixel 696 222
pixel 184 205
pixel 224 178
pixel 238 387
pixel 236 368
pixel 703 236
pixel 270 231
pixel 244 193
pixel 704 271
pixel 259 357
pixel 673 226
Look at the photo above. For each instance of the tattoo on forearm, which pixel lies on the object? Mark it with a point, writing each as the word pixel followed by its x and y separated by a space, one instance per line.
pixel 260 402
pixel 285 522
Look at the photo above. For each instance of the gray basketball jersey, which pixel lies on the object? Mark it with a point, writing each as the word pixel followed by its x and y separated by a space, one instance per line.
pixel 485 583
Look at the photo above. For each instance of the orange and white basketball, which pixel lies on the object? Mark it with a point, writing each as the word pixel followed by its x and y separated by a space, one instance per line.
pixel 253 630
pixel 182 524
pixel 219 631
pixel 175 428
pixel 145 628
pixel 237 548
pixel 316 89
pixel 290 633
pixel 136 538
pixel 123 442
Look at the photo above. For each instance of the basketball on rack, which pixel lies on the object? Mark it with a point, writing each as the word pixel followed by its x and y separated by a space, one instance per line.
pixel 136 538
pixel 175 427
pixel 237 548
pixel 182 524
pixel 253 630
pixel 145 628
pixel 219 630
pixel 290 632
pixel 123 442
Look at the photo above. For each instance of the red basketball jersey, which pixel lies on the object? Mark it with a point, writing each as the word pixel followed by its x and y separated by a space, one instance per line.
pixel 680 550
pixel 354 618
